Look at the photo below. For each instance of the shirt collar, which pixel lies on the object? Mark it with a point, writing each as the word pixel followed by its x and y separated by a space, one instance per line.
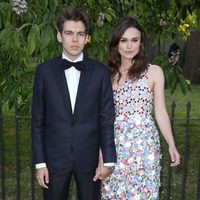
pixel 80 58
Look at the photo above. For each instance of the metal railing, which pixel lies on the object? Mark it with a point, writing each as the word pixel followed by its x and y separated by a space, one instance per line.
pixel 33 189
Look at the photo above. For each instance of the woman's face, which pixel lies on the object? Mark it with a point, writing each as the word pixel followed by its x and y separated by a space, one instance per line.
pixel 129 44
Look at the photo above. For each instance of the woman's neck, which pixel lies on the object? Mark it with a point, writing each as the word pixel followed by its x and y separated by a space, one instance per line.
pixel 125 66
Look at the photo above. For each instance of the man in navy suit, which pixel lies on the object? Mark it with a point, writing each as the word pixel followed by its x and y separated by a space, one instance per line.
pixel 72 115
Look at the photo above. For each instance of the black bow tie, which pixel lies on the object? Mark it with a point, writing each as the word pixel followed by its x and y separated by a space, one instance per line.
pixel 78 65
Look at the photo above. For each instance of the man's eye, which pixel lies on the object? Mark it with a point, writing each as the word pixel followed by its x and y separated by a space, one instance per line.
pixel 68 33
pixel 82 34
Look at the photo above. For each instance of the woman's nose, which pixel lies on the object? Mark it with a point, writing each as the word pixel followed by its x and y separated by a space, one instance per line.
pixel 129 45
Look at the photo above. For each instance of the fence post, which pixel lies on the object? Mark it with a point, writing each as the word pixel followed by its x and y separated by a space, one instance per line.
pixel 17 150
pixel 2 175
pixel 32 182
pixel 198 184
pixel 173 105
pixel 32 175
pixel 185 158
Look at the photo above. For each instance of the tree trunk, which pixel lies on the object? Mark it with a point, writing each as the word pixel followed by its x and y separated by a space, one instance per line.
pixel 190 61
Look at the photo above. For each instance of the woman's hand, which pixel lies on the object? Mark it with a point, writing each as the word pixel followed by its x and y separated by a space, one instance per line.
pixel 175 156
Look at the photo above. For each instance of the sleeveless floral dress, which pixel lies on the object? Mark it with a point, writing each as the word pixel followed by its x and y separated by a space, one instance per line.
pixel 137 171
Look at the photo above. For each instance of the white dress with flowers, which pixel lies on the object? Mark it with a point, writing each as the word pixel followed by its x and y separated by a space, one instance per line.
pixel 137 172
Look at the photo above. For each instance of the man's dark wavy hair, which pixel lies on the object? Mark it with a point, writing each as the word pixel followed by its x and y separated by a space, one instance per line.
pixel 73 13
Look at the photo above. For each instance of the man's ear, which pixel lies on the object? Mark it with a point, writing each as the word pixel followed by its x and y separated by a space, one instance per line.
pixel 59 37
pixel 86 39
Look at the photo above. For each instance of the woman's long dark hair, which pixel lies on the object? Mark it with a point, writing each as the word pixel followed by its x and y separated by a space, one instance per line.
pixel 114 58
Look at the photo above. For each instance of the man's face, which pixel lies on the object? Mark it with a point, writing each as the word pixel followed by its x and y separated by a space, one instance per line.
pixel 73 38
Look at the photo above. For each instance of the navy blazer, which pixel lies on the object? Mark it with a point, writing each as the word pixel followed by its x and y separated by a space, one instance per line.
pixel 55 130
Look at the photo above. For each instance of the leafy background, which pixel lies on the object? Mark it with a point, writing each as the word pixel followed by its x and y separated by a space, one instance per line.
pixel 28 38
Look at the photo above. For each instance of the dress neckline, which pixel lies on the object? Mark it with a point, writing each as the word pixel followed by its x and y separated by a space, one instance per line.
pixel 122 84
pixel 143 75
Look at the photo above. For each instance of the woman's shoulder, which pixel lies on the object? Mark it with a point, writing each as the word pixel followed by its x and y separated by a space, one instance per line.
pixel 155 73
pixel 154 69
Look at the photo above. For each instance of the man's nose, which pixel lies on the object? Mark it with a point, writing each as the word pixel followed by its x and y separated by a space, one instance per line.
pixel 75 37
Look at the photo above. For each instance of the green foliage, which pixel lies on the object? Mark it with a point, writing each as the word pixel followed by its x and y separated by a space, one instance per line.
pixel 24 42
pixel 162 19
pixel 29 38
pixel 173 74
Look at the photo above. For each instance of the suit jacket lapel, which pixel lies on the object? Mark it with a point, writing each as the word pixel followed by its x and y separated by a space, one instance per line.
pixel 60 78
pixel 84 83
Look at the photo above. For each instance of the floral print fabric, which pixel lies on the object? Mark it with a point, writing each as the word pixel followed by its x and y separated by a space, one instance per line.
pixel 137 171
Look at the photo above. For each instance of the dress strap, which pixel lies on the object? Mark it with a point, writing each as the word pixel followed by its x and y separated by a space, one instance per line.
pixel 144 74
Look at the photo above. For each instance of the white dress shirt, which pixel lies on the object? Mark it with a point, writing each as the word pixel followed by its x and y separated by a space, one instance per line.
pixel 72 76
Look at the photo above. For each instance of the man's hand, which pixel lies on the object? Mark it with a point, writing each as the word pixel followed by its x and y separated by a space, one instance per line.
pixel 101 173
pixel 43 177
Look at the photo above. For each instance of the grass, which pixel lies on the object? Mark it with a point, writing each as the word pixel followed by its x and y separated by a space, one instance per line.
pixel 179 134
pixel 190 165
pixel 181 100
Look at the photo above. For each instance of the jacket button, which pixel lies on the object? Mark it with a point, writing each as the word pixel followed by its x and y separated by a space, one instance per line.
pixel 72 123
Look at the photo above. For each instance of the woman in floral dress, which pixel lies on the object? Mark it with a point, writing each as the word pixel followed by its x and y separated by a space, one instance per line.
pixel 138 88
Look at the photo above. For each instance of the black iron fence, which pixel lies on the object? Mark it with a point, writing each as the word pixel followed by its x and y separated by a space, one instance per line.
pixel 17 175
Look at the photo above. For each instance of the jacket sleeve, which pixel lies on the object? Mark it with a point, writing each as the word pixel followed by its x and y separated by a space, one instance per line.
pixel 38 118
pixel 107 115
